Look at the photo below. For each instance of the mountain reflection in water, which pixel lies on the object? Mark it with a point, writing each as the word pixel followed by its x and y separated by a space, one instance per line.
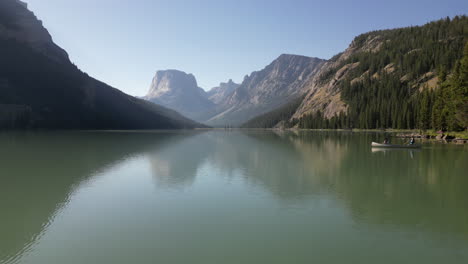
pixel 422 191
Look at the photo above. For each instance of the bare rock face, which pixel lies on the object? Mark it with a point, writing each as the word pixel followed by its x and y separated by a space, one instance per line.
pixel 219 93
pixel 262 91
pixel 325 96
pixel 179 91
pixel 21 25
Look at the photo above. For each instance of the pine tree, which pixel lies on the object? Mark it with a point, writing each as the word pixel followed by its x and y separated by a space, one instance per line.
pixel 460 91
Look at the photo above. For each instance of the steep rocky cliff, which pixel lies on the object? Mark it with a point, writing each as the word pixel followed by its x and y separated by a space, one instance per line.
pixel 179 91
pixel 323 93
pixel 219 93
pixel 279 83
pixel 262 91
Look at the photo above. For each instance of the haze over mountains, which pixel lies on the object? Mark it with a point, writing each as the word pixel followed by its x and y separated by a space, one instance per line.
pixel 41 88
pixel 219 93
pixel 403 78
pixel 388 78
pixel 230 103
pixel 179 91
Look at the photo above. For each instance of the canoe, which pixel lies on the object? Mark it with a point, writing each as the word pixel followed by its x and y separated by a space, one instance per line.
pixel 380 145
pixel 378 150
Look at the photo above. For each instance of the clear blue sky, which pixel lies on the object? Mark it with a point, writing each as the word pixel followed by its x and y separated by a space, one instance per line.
pixel 124 42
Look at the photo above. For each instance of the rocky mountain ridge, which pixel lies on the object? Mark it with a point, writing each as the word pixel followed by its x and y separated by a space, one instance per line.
pixel 278 83
pixel 401 78
pixel 232 104
pixel 219 93
pixel 379 81
pixel 19 24
pixel 41 89
pixel 323 91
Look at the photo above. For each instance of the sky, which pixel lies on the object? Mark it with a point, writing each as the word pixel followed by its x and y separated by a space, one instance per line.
pixel 124 42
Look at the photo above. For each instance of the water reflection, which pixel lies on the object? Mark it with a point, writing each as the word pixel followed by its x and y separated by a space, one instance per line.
pixel 423 190
pixel 417 190
pixel 284 164
pixel 39 171
pixel 176 166
pixel 404 189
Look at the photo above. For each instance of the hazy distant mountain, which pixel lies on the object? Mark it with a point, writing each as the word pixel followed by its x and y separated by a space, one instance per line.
pixel 179 91
pixel 233 104
pixel 279 83
pixel 219 93
pixel 41 88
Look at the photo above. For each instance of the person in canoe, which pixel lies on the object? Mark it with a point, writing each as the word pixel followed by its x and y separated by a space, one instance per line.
pixel 386 141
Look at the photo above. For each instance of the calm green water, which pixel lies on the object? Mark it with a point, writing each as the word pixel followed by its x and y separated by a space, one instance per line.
pixel 229 197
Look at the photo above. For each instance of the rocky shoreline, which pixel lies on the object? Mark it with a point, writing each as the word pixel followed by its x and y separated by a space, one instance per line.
pixel 439 137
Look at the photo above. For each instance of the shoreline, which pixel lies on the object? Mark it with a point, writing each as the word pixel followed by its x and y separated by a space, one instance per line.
pixel 429 135
pixel 448 137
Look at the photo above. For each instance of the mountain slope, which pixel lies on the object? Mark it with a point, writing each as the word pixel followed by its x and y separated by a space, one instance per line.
pixel 41 88
pixel 278 83
pixel 389 79
pixel 219 93
pixel 388 71
pixel 277 118
pixel 179 91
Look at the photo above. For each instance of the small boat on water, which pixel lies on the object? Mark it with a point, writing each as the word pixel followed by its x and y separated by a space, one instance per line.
pixel 385 150
pixel 381 145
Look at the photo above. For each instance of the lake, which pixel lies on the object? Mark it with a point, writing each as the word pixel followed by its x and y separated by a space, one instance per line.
pixel 229 197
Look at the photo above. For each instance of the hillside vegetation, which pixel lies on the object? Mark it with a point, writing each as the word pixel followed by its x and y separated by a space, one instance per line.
pixel 413 77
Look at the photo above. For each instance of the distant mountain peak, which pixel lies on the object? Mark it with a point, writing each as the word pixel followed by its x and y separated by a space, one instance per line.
pixel 171 73
pixel 174 72
pixel 178 90
pixel 171 82
pixel 288 55
pixel 296 56
pixel 278 83
pixel 219 93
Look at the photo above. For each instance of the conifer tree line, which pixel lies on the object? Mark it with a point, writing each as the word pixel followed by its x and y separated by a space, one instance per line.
pixel 396 99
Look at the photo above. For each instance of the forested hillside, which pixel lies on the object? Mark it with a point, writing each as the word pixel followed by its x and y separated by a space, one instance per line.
pixel 413 77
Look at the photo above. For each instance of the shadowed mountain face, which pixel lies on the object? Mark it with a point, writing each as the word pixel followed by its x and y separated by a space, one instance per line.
pixel 17 23
pixel 179 91
pixel 41 88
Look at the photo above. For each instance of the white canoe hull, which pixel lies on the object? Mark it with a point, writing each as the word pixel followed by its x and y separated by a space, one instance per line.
pixel 380 145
